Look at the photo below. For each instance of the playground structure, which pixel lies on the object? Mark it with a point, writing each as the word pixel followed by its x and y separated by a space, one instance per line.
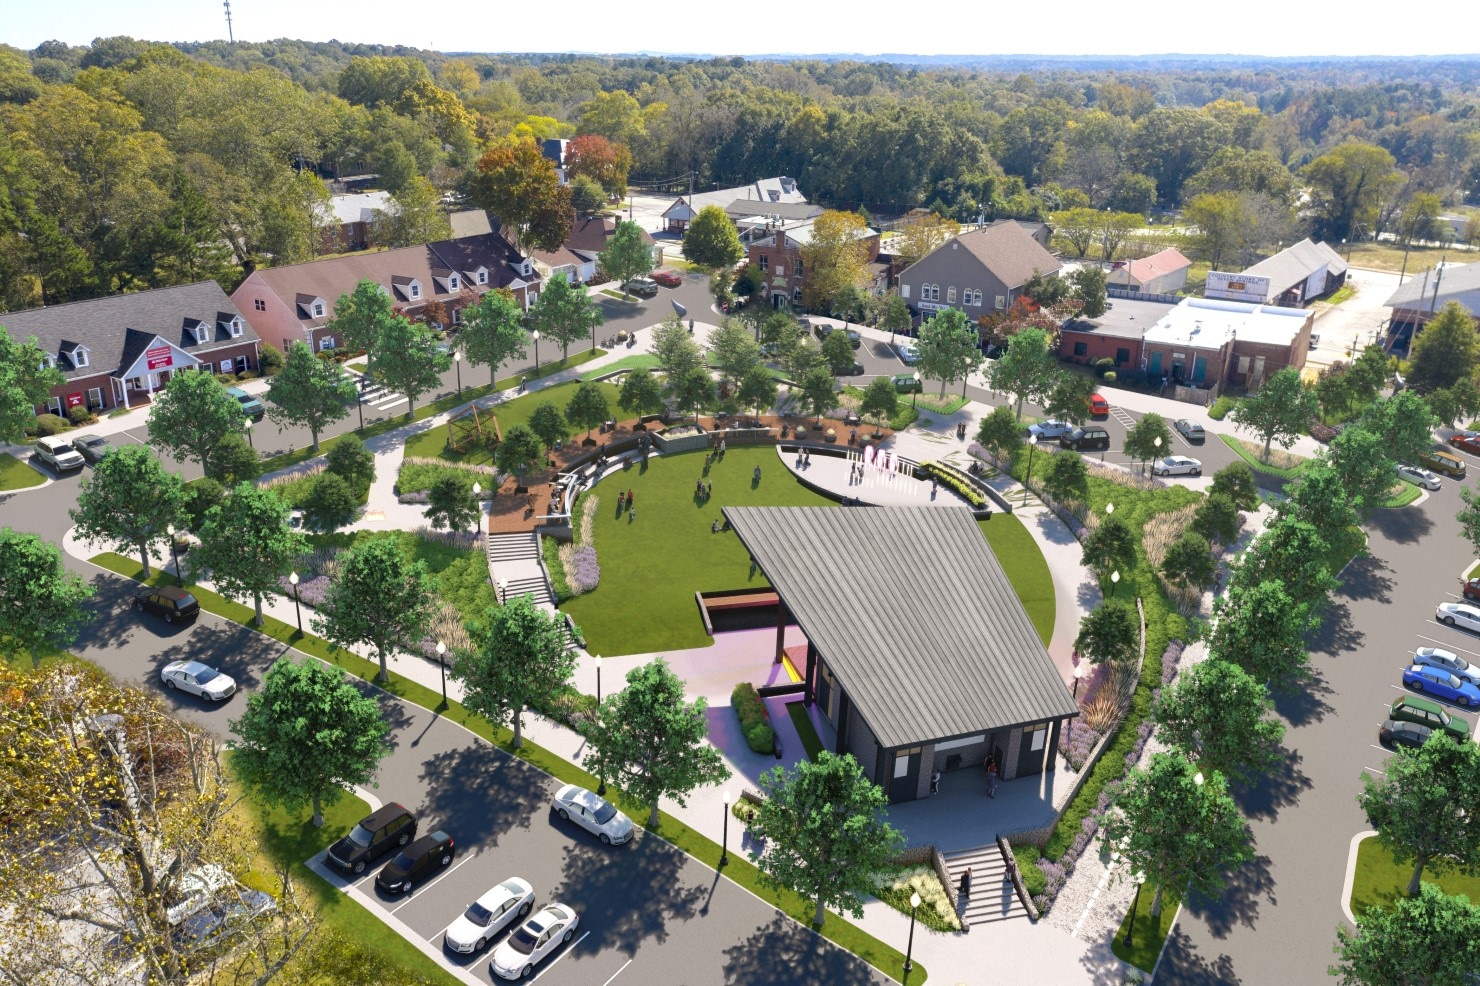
pixel 473 428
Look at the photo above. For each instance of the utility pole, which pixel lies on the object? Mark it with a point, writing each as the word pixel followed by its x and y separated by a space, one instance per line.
pixel 230 37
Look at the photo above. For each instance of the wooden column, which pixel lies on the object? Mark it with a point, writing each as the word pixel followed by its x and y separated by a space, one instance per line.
pixel 811 679
pixel 781 621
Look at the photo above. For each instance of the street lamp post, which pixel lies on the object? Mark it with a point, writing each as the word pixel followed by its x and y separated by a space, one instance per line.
pixel 1078 675
pixel 1114 582
pixel 1156 443
pixel 247 427
pixel 174 552
pixel 360 407
pixel 724 853
pixel 297 610
pixel 478 502
pixel 1130 931
pixel 601 781
pixel 503 591
pixel 457 362
pixel 915 394
pixel 910 948
pixel 442 665
pixel 537 350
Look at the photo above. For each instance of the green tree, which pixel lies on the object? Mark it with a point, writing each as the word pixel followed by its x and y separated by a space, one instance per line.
pixel 641 393
pixel 380 599
pixel 191 418
pixel 1403 423
pixel 626 255
pixel 493 331
pixel 549 424
pixel 130 499
pixel 520 657
pixel 1281 411
pixel 1262 629
pixel 270 359
pixel 825 832
pixel 894 313
pixel 1368 375
pixel 834 256
pixel 1446 351
pixel 1321 499
pixel 350 460
pixel 329 504
pixel 1111 546
pixel 1217 519
pixel 850 303
pixel 362 315
pixel 880 400
pixel 1179 831
pixel 200 496
pixel 233 459
pixel 817 393
pixel 307 736
pixel 1236 481
pixel 676 350
pixel 450 504
pixel 1346 184
pixel 1293 551
pixel 1429 939
pixel 712 241
pixel 565 313
pixel 1222 227
pixel 25 383
pixel 1363 466
pixel 1425 807
pixel 247 546
pixel 693 390
pixel 516 182
pixel 1089 290
pixel 1220 718
pixel 1067 478
pixel 588 407
pixel 518 452
pixel 1046 290
pixel 586 196
pixel 733 350
pixel 837 354
pixel 1148 438
pixel 406 359
pixel 998 433
pixel 1189 561
pixel 1109 632
pixel 1027 370
pixel 309 392
pixel 40 603
pixel 1068 399
pixel 414 216
pixel 949 348
pixel 652 743
pixel 1469 517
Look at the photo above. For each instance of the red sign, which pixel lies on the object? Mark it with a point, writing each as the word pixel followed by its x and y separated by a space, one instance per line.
pixel 159 358
pixel 74 400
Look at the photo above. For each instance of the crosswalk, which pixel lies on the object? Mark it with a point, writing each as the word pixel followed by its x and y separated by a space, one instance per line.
pixel 373 394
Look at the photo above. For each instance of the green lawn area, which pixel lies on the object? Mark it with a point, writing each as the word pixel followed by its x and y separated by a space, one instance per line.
pixel 1249 452
pixel 811 742
pixel 1343 293
pixel 1148 936
pixel 1026 569
pixel 1379 881
pixel 938 404
pixel 432 443
pixel 16 475
pixel 1403 494
pixel 639 361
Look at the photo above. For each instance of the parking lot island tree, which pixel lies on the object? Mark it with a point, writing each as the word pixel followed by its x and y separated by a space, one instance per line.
pixel 380 599
pixel 1292 551
pixel 1149 438
pixel 1027 370
pixel 191 419
pixel 246 545
pixel 131 499
pixel 825 832
pixel 520 655
pixel 564 313
pixel 25 384
pixel 626 255
pixel 652 743
pixel 1222 720
pixel 406 359
pixel 1431 938
pixel 1321 499
pixel 492 331
pixel 949 347
pixel 1262 629
pixel 307 736
pixel 837 354
pixel 1425 807
pixel 1364 467
pixel 1280 412
pixel 309 392
pixel 40 601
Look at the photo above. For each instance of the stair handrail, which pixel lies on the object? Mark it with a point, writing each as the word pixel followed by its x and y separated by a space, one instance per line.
pixel 1016 876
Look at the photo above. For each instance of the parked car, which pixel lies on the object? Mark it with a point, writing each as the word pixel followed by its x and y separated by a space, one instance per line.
pixel 854 339
pixel 1048 429
pixel 1398 733
pixel 1470 588
pixel 92 448
pixel 198 679
pixel 1438 657
pixel 1419 476
pixel 416 863
pixel 534 940
pixel 1459 614
pixel 1098 406
pixel 905 383
pixel 251 406
pixel 1190 430
pixel 489 915
pixel 1176 465
pixel 1411 708
pixel 909 353
pixel 822 329
pixel 593 813
pixel 170 601
pixel 1441 684
pixel 643 287
pixel 378 833
pixel 57 452
pixel 1466 441
pixel 219 921
pixel 1443 462
pixel 667 278
pixel 1088 436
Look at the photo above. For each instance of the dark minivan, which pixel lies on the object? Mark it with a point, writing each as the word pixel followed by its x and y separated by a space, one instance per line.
pixel 1089 436
pixel 416 862
pixel 377 834
pixel 170 601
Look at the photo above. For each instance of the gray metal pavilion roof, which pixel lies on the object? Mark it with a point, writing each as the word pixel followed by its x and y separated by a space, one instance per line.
pixel 913 611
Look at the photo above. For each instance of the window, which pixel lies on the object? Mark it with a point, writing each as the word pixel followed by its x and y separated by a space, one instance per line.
pixel 902 760
pixel 956 744
pixel 318 309
pixel 326 342
pixel 1001 302
pixel 201 334
pixel 974 297
pixel 904 291
pixel 1081 349
pixel 415 290
pixel 95 398
pixel 796 294
pixel 234 327
pixel 951 295
pixel 242 366
pixel 54 406
pixel 799 268
pixel 48 361
pixel 452 283
pixel 483 277
pixel 226 366
pixel 1243 364
pixel 457 316
pixel 765 262
pixel 259 304
pixel 79 356
pixel 1122 356
pixel 1036 738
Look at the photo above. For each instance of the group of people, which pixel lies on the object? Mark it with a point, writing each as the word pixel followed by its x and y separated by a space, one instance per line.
pixel 624 502
pixel 804 458
pixel 703 490
pixel 855 474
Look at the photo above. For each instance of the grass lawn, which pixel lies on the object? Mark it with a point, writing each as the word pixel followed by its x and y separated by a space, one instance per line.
pixel 1281 463
pixel 17 475
pixel 947 404
pixel 1026 569
pixel 1379 881
pixel 651 567
pixel 432 443
pixel 1149 935
pixel 811 742
pixel 1403 494
pixel 1343 293
pixel 645 361
pixel 1389 256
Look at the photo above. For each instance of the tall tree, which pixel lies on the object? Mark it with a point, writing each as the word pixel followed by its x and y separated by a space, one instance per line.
pixel 247 546
pixel 380 599
pixel 1178 830
pixel 836 255
pixel 1469 517
pixel 627 254
pixel 520 656
pixel 920 233
pixel 1321 499
pixel 565 313
pixel 309 392
pixel 518 452
pixel 493 331
pixel 1446 351
pixel 603 161
pixel 588 407
pixel 880 400
pixel 414 216
pixel 130 499
pixel 733 350
pixel 1217 519
pixel 1110 547
pixel 1027 371
pixel 1068 399
pixel 653 743
pixel 1293 551
pixel 1281 411
pixel 1236 480
pixel 25 383
pixel 549 424
pixel 1219 717
pixel 1426 807
pixel 406 359
pixel 693 390
pixel 837 354
pixel 1108 633
pixel 1429 939
pixel 1148 438
pixel 998 432
pixel 307 736
pixel 712 241
pixel 1346 185
pixel 40 603
pixel 824 830
pixel 1363 466
pixel 361 316
pixel 949 348
pixel 517 183
pixel 1067 478
pixel 1262 629
pixel 1404 424
pixel 191 419
pixel 676 350
pixel 1189 562
pixel 641 393
pixel 894 313
pixel 1088 288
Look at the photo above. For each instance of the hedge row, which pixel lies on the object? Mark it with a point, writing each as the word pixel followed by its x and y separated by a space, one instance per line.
pixel 755 721
pixel 950 477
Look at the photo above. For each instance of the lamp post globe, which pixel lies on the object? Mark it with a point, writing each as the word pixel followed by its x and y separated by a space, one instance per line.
pixel 915 394
pixel 536 334
pixel 457 362
pixel 297 610
pixel 175 553
pixel 909 951
pixel 442 666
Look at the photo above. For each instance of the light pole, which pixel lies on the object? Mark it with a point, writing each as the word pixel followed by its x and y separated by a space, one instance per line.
pixel 536 350
pixel 457 362
pixel 174 552
pixel 1078 675
pixel 1114 582
pixel 360 405
pixel 600 781
pixel 1032 447
pixel 1130 931
pixel 1156 444
pixel 247 427
pixel 724 853
pixel 910 948
pixel 442 664
pixel 503 591
pixel 478 502
pixel 915 395
pixel 297 610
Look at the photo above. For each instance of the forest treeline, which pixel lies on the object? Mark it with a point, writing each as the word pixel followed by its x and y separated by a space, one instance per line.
pixel 126 165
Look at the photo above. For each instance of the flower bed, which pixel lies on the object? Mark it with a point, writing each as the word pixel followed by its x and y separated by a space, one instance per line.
pixel 755 721
pixel 894 885
pixel 956 481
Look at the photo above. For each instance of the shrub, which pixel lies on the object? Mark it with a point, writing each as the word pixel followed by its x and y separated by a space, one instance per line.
pixel 1109 376
pixel 955 480
pixel 354 463
pixel 47 425
pixel 894 886
pixel 329 503
pixel 755 721
pixel 419 497
pixel 1323 432
pixel 246 375
pixel 269 359
pixel 1220 408
pixel 1034 879
pixel 744 810
pixel 761 738
pixel 226 378
pixel 201 495
pixel 79 415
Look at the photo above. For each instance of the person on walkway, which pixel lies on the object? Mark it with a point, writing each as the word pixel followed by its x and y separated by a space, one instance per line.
pixel 966 883
pixel 991 777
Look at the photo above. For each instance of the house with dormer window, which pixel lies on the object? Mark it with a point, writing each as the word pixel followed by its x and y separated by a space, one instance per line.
pixel 118 352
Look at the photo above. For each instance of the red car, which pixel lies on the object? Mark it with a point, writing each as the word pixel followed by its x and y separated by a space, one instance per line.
pixel 1466 440
pixel 667 278
pixel 1098 406
pixel 1471 589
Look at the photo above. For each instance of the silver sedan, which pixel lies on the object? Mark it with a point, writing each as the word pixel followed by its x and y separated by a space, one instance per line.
pixel 198 679
pixel 1176 465
pixel 1419 477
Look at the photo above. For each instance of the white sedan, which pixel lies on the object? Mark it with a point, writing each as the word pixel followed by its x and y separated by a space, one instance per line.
pixel 536 938
pixel 593 813
pixel 198 679
pixel 1048 430
pixel 489 915
pixel 909 353
pixel 1437 657
pixel 1176 465
pixel 1419 477
pixel 1459 615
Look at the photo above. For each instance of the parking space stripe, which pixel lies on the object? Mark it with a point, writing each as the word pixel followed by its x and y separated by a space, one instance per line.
pixel 1447 645
pixel 574 945
pixel 445 873
pixel 618 973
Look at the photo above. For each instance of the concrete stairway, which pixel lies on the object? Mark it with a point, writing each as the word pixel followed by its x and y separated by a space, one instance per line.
pixel 516 559
pixel 993 898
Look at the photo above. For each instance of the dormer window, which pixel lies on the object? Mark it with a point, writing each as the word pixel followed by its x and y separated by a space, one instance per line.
pixel 202 333
pixel 234 328
pixel 414 290
pixel 318 309
pixel 48 361
pixel 483 277
pixel 79 356
pixel 452 283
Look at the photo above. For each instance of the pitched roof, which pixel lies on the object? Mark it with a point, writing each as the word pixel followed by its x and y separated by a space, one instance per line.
pixel 356 207
pixel 749 208
pixel 1295 263
pixel 1006 249
pixel 764 191
pixel 470 222
pixel 1154 266
pixel 103 325
pixel 922 658
pixel 589 234
pixel 1454 282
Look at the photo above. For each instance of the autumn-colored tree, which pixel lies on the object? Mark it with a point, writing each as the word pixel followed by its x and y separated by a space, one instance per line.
pixel 837 255
pixel 517 183
pixel 603 161
pixel 920 233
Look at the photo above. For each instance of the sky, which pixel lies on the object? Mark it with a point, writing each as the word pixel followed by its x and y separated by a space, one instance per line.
pixel 936 27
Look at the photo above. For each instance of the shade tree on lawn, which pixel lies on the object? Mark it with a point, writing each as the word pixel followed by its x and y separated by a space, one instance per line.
pixel 518 452
pixel 1028 369
pixel 693 390
pixel 1280 412
pixel 406 359
pixel 247 546
pixel 40 602
pixel 520 655
pixel 379 599
pixel 192 418
pixel 949 348
pixel 1221 719
pixel 309 392
pixel 549 424
pixel 1431 938
pixel 588 407
pixel 131 499
pixel 641 393
pixel 492 331
pixel 757 390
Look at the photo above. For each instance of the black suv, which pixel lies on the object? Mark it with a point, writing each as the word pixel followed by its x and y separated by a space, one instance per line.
pixel 415 863
pixel 1089 436
pixel 169 601
pixel 377 834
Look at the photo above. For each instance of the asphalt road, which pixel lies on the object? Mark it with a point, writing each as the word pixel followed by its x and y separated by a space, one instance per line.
pixel 1278 920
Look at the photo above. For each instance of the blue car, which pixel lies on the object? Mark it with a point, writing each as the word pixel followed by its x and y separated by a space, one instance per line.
pixel 1441 684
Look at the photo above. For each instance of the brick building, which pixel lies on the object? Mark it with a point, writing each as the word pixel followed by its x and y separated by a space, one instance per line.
pixel 1207 344
pixel 1115 335
pixel 776 248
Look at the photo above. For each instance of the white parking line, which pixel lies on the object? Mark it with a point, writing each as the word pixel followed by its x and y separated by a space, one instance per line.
pixel 445 873
pixel 1447 645
pixel 573 947
pixel 618 973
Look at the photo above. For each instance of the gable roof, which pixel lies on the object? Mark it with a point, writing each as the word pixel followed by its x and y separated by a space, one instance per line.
pixel 105 325
pixel 1006 249
pixel 1456 282
pixel 1150 268
pixel 1295 263
pixel 743 209
pixel 952 655
pixel 589 234
pixel 764 192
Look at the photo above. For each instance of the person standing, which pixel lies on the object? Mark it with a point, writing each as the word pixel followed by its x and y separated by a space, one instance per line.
pixel 935 782
pixel 991 777
pixel 966 883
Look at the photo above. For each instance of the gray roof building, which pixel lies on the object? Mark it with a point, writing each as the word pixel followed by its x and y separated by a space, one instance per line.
pixel 1301 272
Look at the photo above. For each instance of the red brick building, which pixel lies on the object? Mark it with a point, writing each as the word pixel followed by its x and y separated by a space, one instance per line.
pixel 777 251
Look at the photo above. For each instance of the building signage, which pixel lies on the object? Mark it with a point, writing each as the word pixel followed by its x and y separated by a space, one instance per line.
pixel 1236 287
pixel 931 306
pixel 74 400
pixel 159 358
pixel 1179 356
